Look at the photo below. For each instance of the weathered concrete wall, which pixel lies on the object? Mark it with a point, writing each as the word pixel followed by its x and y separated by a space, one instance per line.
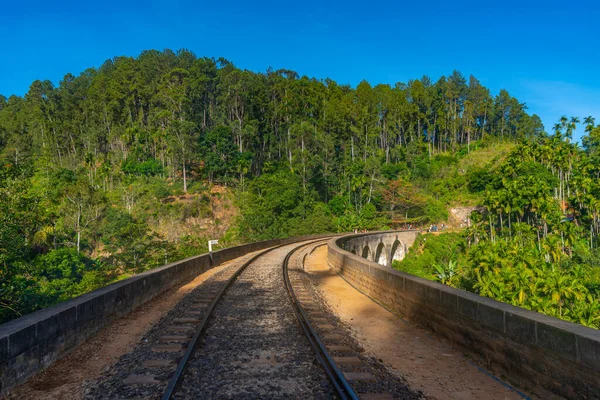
pixel 529 349
pixel 381 247
pixel 34 341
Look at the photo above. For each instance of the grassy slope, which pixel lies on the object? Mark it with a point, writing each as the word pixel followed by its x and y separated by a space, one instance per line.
pixel 451 176
pixel 428 250
pixel 486 157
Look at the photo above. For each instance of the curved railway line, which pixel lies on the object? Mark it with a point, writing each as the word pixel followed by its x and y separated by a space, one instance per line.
pixel 238 336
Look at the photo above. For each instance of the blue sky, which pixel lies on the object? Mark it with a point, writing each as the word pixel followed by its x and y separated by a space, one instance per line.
pixel 545 53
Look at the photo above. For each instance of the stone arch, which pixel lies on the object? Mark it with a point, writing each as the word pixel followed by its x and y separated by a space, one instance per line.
pixel 397 252
pixel 366 251
pixel 380 256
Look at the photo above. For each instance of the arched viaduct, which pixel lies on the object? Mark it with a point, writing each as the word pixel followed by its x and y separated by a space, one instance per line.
pixel 382 247
pixel 527 348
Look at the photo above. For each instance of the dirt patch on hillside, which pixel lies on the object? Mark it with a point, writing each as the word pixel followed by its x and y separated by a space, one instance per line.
pixel 209 214
pixel 460 217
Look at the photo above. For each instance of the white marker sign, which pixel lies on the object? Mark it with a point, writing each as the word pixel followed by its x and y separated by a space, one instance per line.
pixel 210 243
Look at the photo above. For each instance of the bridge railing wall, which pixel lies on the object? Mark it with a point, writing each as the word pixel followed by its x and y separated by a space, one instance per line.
pixel 34 341
pixel 531 350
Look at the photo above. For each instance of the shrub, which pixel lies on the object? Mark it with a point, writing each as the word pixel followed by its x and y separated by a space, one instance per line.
pixel 430 250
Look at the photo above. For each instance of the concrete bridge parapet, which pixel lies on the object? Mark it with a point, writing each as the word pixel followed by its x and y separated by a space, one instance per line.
pixel 381 247
pixel 31 343
pixel 550 357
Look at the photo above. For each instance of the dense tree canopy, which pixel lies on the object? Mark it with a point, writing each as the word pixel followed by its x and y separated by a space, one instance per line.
pixel 173 114
pixel 132 164
pixel 537 243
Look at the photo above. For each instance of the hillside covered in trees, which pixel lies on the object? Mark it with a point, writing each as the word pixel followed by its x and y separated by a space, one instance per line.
pixel 133 164
pixel 536 244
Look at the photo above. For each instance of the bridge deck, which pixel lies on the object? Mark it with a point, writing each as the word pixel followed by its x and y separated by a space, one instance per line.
pixel 428 364
pixel 66 378
pixel 252 346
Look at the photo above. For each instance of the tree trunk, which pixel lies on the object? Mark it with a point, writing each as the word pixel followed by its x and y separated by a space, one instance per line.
pixel 289 149
pixel 184 177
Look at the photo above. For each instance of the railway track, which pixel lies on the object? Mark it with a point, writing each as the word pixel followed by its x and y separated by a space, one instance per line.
pixel 238 337
pixel 302 304
pixel 368 378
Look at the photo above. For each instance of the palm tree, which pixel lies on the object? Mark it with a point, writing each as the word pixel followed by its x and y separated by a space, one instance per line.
pixel 571 126
pixel 521 279
pixel 589 123
pixel 553 248
pixel 544 305
pixel 588 313
pixel 491 285
pixel 561 288
pixel 557 131
pixel 569 234
pixel 563 122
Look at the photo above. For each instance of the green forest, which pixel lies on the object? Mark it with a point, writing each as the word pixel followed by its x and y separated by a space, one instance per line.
pixel 536 243
pixel 139 162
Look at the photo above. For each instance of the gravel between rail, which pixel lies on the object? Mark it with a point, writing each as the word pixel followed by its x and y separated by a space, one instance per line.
pixel 252 347
pixel 116 382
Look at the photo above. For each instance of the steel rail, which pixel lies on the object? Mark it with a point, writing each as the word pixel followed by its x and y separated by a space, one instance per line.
pixel 177 377
pixel 339 382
